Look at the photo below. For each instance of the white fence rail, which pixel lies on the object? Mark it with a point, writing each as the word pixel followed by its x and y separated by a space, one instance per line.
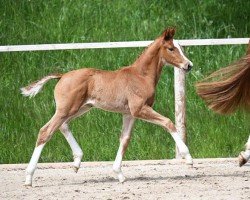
pixel 180 102
pixel 104 45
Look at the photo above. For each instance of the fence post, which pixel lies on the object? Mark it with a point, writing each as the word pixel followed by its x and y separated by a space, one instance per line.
pixel 180 105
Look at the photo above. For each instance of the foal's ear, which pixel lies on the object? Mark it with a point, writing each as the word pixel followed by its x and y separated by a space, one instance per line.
pixel 168 34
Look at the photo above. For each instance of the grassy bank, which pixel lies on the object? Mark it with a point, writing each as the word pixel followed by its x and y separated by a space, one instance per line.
pixel 40 22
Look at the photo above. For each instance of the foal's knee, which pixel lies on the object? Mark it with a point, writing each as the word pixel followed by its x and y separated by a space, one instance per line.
pixel 169 125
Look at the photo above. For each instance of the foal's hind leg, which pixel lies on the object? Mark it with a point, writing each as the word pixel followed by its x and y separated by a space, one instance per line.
pixel 44 136
pixel 76 149
pixel 128 122
pixel 245 155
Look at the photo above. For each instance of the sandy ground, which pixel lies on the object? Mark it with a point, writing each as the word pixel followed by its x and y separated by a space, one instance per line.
pixel 155 179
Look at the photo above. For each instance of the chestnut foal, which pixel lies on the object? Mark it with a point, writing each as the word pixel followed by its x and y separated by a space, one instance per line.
pixel 129 91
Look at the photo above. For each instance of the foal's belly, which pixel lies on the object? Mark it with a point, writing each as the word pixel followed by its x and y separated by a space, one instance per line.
pixel 116 106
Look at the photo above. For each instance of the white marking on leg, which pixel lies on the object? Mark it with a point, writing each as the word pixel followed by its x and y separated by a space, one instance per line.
pixel 128 122
pixel 182 148
pixel 118 163
pixel 248 143
pixel 32 164
pixel 118 159
pixel 76 149
pixel 246 153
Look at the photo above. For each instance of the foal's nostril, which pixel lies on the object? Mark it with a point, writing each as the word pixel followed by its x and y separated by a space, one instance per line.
pixel 189 67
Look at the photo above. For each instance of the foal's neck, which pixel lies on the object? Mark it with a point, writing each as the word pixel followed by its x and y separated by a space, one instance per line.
pixel 149 64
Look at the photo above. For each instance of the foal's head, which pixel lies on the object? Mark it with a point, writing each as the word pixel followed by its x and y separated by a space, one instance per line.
pixel 172 53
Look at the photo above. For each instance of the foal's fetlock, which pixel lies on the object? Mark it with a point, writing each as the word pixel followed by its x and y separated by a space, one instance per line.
pixel 185 154
pixel 116 169
pixel 189 159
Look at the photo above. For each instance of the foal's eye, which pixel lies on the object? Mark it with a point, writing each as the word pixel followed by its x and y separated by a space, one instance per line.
pixel 171 49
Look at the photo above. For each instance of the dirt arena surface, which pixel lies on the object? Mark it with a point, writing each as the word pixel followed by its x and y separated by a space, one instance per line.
pixel 154 179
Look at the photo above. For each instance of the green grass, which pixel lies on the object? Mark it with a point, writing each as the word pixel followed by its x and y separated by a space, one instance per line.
pixel 40 22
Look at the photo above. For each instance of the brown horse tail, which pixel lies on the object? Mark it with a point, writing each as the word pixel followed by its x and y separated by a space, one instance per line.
pixel 228 88
pixel 32 89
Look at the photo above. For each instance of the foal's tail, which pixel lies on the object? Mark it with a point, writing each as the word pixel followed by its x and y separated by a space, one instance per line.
pixel 32 89
pixel 228 88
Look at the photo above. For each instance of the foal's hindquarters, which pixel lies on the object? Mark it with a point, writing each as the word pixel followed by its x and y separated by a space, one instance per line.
pixel 69 98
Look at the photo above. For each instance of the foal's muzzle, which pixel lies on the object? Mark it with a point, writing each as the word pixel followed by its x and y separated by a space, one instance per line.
pixel 187 68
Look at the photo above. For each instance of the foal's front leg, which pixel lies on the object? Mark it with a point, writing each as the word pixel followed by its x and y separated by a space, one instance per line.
pixel 148 114
pixel 128 122
pixel 245 155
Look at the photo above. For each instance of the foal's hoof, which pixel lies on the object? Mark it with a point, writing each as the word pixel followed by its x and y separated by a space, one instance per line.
pixel 28 183
pixel 121 178
pixel 75 169
pixel 242 159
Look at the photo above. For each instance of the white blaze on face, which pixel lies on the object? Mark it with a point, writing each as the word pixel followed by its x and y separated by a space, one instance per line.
pixel 176 44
